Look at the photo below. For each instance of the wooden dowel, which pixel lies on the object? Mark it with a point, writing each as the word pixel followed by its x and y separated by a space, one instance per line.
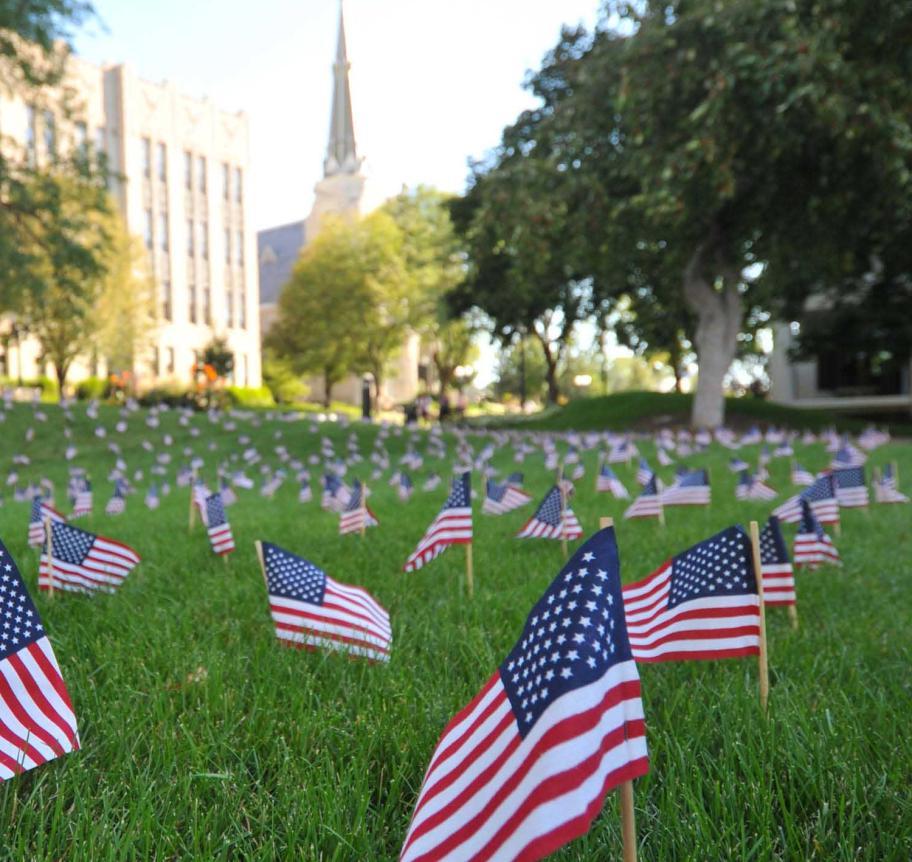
pixel 628 821
pixel 470 574
pixel 793 616
pixel 762 658
pixel 563 516
pixel 364 513
pixel 605 523
pixel 48 532
pixel 259 550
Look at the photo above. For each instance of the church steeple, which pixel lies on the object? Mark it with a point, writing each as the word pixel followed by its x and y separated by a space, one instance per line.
pixel 342 153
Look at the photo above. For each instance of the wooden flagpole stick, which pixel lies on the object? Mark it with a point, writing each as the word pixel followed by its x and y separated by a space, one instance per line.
pixel 661 505
pixel 625 791
pixel 563 517
pixel 364 506
pixel 48 528
pixel 837 527
pixel 259 550
pixel 762 658
pixel 470 574
pixel 192 516
pixel 793 616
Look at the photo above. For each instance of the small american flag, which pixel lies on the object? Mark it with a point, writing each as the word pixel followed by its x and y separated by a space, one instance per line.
pixel 117 504
pixel 83 562
pixel 82 504
pixel 702 604
pixel 305 495
pixel 753 488
pixel 737 465
pixel 812 545
pixel 689 489
pixel 553 519
pixel 502 498
pixel 41 511
pixel 778 578
pixel 608 481
pixel 311 610
pixel 217 525
pixel 153 500
pixel 664 459
pixel 848 456
pixel 524 768
pixel 336 493
pixel 648 504
pixel 644 472
pixel 885 488
pixel 452 526
pixel 405 487
pixel 800 476
pixel 851 488
pixel 356 515
pixel 822 498
pixel 37 723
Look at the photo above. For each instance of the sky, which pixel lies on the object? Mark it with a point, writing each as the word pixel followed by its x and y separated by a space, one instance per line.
pixel 433 81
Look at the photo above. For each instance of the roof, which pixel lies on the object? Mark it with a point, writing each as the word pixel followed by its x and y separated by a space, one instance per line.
pixel 277 250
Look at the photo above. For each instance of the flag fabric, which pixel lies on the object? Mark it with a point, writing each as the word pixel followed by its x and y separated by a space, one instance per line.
pixel 217 525
pixel 336 493
pixel 822 499
pixel 305 495
pixel 800 476
pixel 501 498
pixel 41 511
pixel 701 604
pixel 83 562
pixel 37 723
pixel 812 545
pixel 753 488
pixel 82 504
pixel 644 472
pixel 689 489
pixel 200 495
pixel 851 488
pixel 525 767
pixel 452 526
pixel 356 515
pixel 608 482
pixel 553 519
pixel 738 465
pixel 152 500
pixel 664 458
pixel 648 504
pixel 847 456
pixel 117 504
pixel 778 577
pixel 405 487
pixel 310 610
pixel 885 488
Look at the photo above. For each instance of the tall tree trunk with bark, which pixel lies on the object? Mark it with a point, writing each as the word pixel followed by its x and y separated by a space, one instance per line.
pixel 328 384
pixel 720 313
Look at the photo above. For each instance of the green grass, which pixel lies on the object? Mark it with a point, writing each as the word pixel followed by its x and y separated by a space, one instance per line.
pixel 204 739
pixel 647 410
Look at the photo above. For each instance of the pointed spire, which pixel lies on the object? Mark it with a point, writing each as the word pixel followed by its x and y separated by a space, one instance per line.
pixel 342 153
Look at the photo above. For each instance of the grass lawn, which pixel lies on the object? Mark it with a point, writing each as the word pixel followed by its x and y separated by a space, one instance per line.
pixel 204 739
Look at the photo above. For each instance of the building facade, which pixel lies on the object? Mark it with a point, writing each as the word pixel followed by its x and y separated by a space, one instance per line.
pixel 180 170
pixel 339 193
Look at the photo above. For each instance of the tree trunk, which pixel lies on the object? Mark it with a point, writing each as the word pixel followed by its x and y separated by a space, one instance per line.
pixel 550 368
pixel 60 372
pixel 522 375
pixel 327 389
pixel 719 317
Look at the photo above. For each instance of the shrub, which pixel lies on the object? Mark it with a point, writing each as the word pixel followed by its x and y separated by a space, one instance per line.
pixel 92 387
pixel 286 386
pixel 248 396
pixel 173 396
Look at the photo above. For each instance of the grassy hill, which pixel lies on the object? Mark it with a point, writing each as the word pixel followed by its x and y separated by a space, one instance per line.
pixel 648 410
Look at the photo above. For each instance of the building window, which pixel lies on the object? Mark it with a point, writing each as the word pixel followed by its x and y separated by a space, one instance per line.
pixel 147 229
pixel 50 135
pixel 190 244
pixel 191 293
pixel 188 170
pixel 161 162
pixel 246 370
pixel 239 247
pixel 101 140
pixel 166 300
pixel 207 305
pixel 242 311
pixel 163 230
pixel 156 360
pixel 227 246
pixel 169 354
pixel 201 174
pixel 229 308
pixel 204 240
pixel 226 181
pixel 82 137
pixel 31 133
pixel 239 185
pixel 147 158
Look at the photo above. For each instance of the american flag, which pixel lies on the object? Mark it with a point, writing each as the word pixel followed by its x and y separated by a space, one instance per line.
pixel 311 610
pixel 117 504
pixel 778 578
pixel 851 488
pixel 200 495
pixel 822 498
pixel 553 519
pixel 37 723
pixel 812 545
pixel 753 488
pixel 229 498
pixel 40 511
pixel 153 501
pixel 800 476
pixel 502 498
pixel 524 768
pixel 689 489
pixel 356 515
pixel 702 604
pixel 664 459
pixel 305 495
pixel 752 437
pixel 452 526
pixel 621 452
pixel 83 562
pixel 608 481
pixel 644 472
pixel 432 482
pixel 848 456
pixel 82 504
pixel 648 504
pixel 336 493
pixel 885 488
pixel 405 487
pixel 737 465
pixel 217 525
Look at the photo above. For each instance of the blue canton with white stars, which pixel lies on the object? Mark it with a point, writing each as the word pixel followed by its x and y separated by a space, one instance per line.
pixel 696 479
pixel 460 494
pixel 496 492
pixel 292 577
pixel 354 501
pixel 651 489
pixel 20 624
pixel 70 544
pixel 853 477
pixel 822 489
pixel 809 522
pixel 719 566
pixel 215 510
pixel 772 543
pixel 549 512
pixel 573 636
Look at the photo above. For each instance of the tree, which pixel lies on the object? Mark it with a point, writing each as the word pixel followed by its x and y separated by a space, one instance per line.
pixel 452 344
pixel 218 355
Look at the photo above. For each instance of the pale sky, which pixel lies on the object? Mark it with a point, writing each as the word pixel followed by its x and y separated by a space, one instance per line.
pixel 433 81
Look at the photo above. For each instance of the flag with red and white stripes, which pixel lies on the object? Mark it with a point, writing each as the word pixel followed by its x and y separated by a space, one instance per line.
pixel 822 499
pixel 553 519
pixel 812 545
pixel 220 536
pixel 83 562
pixel 778 577
pixel 40 512
pixel 525 767
pixel 37 723
pixel 702 604
pixel 851 488
pixel 452 526
pixel 648 504
pixel 356 515
pixel 886 488
pixel 311 610
pixel 500 499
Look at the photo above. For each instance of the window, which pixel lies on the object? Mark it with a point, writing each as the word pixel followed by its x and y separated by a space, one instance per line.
pixel 204 240
pixel 156 360
pixel 201 174
pixel 188 170
pixel 242 312
pixel 166 300
pixel 246 365
pixel 101 140
pixel 82 137
pixel 50 135
pixel 147 158
pixel 190 243
pixel 239 247
pixel 191 293
pixel 227 245
pixel 169 353
pixel 229 307
pixel 207 306
pixel 163 230
pixel 147 229
pixel 161 162
pixel 238 185
pixel 226 181
pixel 31 133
